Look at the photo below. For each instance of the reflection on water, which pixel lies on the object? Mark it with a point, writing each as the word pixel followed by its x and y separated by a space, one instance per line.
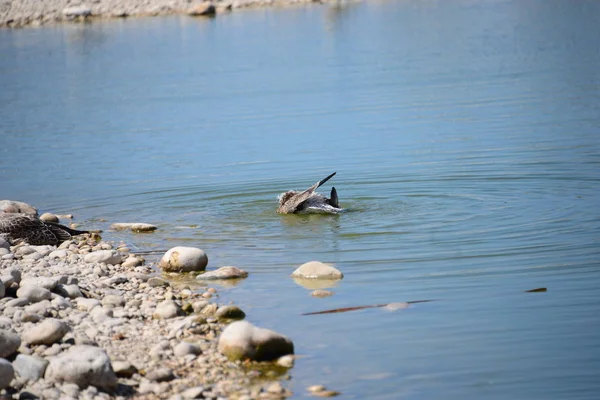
pixel 465 139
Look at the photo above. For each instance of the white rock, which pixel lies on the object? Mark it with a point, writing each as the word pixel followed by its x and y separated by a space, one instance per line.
pixel 33 257
pixel 132 262
pixel 38 308
pixel 47 332
pixel 167 309
pixel 317 270
pixel 112 300
pixel 184 348
pixel 41 281
pixel 223 273
pixel 242 340
pixel 9 343
pixel 24 250
pixel 133 226
pixel 49 217
pixel 103 256
pixel 44 250
pixel 61 254
pixel 16 303
pixel 77 11
pixel 30 367
pixel 60 303
pixel 184 259
pixel 7 373
pixel 33 293
pixel 286 361
pixel 82 365
pixel 85 304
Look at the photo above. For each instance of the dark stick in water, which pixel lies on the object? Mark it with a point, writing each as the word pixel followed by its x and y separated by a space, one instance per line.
pixel 339 310
pixel 345 309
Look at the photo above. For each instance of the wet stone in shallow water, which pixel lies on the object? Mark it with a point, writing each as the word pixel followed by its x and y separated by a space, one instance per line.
pixel 224 273
pixel 230 312
pixel 317 270
pixel 184 259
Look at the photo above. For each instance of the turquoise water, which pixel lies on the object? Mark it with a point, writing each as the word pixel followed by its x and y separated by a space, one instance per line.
pixel 466 140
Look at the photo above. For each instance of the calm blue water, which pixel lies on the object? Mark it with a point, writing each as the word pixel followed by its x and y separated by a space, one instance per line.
pixel 466 140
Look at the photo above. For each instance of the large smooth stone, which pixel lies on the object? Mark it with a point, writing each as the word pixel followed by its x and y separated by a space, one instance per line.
pixel 317 270
pixel 41 281
pixel 4 243
pixel 83 365
pixel 104 256
pixel 230 312
pixel 184 259
pixel 167 309
pixel 11 206
pixel 49 217
pixel 30 367
pixel 241 340
pixel 7 373
pixel 47 332
pixel 133 226
pixel 223 273
pixel 33 293
pixel 9 343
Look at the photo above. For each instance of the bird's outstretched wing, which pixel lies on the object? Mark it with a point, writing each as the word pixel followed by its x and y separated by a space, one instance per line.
pixel 294 202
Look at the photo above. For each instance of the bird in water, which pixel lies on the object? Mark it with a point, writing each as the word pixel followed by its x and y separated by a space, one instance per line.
pixel 18 227
pixel 309 201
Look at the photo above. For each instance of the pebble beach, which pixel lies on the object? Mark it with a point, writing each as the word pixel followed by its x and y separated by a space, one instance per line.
pixel 90 320
pixel 20 13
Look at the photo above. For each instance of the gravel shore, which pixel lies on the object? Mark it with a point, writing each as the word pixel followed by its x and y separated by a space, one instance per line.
pixel 19 13
pixel 89 320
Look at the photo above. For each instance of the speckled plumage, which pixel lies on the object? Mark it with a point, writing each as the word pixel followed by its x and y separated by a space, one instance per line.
pixel 30 229
pixel 309 201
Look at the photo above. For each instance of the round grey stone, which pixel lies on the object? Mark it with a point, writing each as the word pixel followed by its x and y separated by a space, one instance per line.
pixel 223 273
pixel 47 332
pixel 184 348
pixel 28 367
pixel 7 373
pixel 104 256
pixel 82 365
pixel 230 312
pixel 167 309
pixel 184 259
pixel 49 217
pixel 9 343
pixel 33 293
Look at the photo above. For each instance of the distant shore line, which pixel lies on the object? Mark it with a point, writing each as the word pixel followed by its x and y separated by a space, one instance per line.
pixel 22 13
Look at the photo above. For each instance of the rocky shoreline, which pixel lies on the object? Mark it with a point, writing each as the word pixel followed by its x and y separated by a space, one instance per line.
pixel 89 320
pixel 20 13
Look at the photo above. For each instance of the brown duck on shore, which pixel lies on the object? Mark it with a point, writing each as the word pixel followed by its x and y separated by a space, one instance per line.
pixel 309 201
pixel 28 228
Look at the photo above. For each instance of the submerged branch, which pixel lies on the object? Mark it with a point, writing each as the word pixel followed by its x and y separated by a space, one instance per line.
pixel 345 309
